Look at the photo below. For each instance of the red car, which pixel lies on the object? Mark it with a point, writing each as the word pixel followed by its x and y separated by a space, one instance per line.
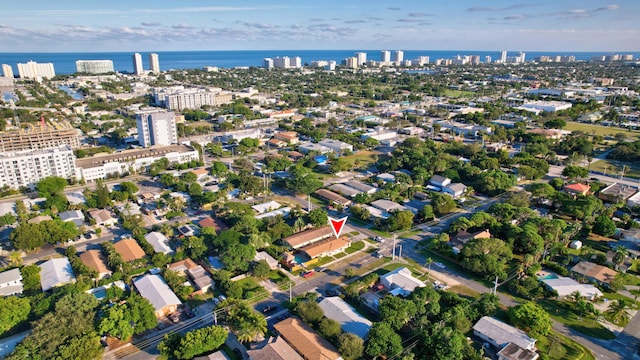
pixel 307 274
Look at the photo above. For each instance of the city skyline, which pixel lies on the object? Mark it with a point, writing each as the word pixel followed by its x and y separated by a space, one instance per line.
pixel 66 26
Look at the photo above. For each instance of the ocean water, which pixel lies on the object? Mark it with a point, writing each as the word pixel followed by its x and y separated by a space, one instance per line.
pixel 64 63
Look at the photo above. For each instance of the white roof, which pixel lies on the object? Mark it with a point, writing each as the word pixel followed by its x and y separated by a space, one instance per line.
pixel 387 205
pixel 10 276
pixel 159 242
pixel 345 190
pixel 11 282
pixel 401 278
pixel 55 272
pixel 7 208
pixel 566 286
pixel 282 211
pixel 154 289
pixel 502 333
pixel 76 216
pixel 361 186
pixel 264 207
pixel 263 255
pixel 350 320
pixel 75 198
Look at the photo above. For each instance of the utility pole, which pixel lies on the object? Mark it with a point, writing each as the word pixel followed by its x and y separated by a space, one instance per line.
pixel 290 293
pixel 393 249
pixel 400 253
pixel 215 318
pixel 495 287
pixel 623 169
pixel 309 202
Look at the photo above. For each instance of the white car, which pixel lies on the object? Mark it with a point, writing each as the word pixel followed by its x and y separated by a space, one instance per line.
pixel 439 264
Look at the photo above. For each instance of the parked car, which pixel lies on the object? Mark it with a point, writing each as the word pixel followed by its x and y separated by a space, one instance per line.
pixel 222 298
pixel 439 264
pixel 308 274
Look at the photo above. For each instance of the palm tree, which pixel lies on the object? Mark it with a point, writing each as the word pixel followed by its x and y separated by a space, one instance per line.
pixel 428 263
pixel 617 311
pixel 619 256
pixel 15 259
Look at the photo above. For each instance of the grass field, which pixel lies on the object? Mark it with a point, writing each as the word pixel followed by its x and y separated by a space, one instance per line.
pixel 614 168
pixel 458 93
pixel 362 157
pixel 600 130
pixel 356 246
pixel 557 346
pixel 568 317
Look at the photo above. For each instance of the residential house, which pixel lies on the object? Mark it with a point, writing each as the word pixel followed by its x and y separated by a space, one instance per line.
pixel 197 275
pixel 515 352
pixel 634 201
pixel 333 197
pixel 102 217
pixel 95 261
pixel 218 355
pixel 565 286
pixel 295 156
pixel 439 182
pixel 187 230
pixel 360 186
pixel 284 212
pixel 159 242
pixel 275 349
pixel 594 272
pixel 263 255
pixel 289 137
pixel 463 237
pixel 56 272
pixel 129 250
pixel 326 247
pixel 617 192
pixel 576 189
pixel 345 190
pixel 75 216
pixel 154 289
pixel 387 206
pixel 7 208
pixel 200 173
pixel 499 334
pixel 386 177
pixel 456 190
pixel 75 198
pixel 308 237
pixel 400 281
pixel 307 147
pixel 305 340
pixel 276 143
pixel 100 292
pixel 130 209
pixel 350 320
pixel 11 282
pixel 182 266
pixel 39 219
pixel 266 207
pixel 336 146
pixel 214 223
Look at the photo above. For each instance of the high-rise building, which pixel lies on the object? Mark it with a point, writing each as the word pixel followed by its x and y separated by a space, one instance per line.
pixel 26 168
pixel 281 62
pixel 137 64
pixel 94 66
pixel 295 62
pixel 267 63
pixel 37 71
pixel 362 58
pixel 40 138
pixel 398 57
pixel 503 56
pixel 474 59
pixel 7 71
pixel 156 127
pixel 154 63
pixel 385 56
pixel 522 57
pixel 351 62
pixel 487 59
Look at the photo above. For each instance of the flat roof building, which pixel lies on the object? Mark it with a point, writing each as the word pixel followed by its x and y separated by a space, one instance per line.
pixel 350 320
pixel 27 167
pixel 307 237
pixel 94 66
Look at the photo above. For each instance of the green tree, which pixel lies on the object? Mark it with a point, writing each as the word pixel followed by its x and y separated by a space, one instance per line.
pixel 329 328
pixel 101 195
pixel 573 172
pixel 302 180
pixel 603 225
pixel 129 188
pixel 531 317
pixel 244 321
pixel 618 311
pixel 31 277
pixel 399 220
pixel 261 269
pixel 447 344
pixel 442 203
pixel 382 341
pixel 193 343
pixel 318 217
pixel 396 311
pixel 350 346
pixel 238 257
pixel 487 257
pixel 426 213
pixel 50 186
pixel 309 311
pixel 494 182
pixel 13 311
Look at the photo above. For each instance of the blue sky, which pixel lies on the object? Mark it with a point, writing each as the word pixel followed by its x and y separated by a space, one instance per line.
pixel 557 25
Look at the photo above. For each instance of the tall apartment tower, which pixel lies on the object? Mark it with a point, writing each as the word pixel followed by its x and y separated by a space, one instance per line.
pixel 156 127
pixel 267 63
pixel 137 64
pixel 503 56
pixel 37 71
pixel 385 56
pixel 154 63
pixel 398 57
pixel 362 58
pixel 7 71
pixel 522 57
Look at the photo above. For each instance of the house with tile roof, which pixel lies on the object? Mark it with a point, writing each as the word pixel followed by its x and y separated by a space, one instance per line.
pixel 306 341
pixel 129 250
pixel 594 272
pixel 275 349
pixel 95 261
pixel 308 237
pixel 576 189
pixel 326 247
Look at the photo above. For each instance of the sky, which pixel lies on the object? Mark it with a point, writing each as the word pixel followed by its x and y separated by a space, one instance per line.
pixel 115 25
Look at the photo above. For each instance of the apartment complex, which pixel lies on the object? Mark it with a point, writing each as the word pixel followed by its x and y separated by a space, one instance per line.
pixel 94 66
pixel 154 63
pixel 137 64
pixel 156 127
pixel 7 70
pixel 26 168
pixel 178 98
pixel 36 71
pixel 39 138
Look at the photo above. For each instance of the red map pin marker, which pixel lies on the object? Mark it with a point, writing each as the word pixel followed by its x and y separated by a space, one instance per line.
pixel 337 225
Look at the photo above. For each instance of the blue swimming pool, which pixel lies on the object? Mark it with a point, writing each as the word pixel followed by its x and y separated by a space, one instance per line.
pixel 549 277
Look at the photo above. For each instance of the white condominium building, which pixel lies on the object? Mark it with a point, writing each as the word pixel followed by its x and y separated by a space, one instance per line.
pixel 267 63
pixel 398 56
pixel 94 66
pixel 7 71
pixel 37 71
pixel 154 63
pixel 156 127
pixel 26 168
pixel 178 98
pixel 385 56
pixel 137 64
pixel 362 58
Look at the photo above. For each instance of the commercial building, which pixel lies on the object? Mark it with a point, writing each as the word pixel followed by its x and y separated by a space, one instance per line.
pixel 36 71
pixel 40 138
pixel 26 168
pixel 137 64
pixel 156 127
pixel 7 71
pixel 548 106
pixel 154 63
pixel 94 66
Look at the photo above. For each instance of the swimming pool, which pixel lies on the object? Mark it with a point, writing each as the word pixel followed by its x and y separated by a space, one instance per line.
pixel 549 277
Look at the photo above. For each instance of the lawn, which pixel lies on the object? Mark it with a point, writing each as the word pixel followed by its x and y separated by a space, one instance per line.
pixel 252 290
pixel 356 246
pixel 614 168
pixel 362 157
pixel 278 277
pixel 557 346
pixel 366 269
pixel 599 130
pixel 458 93
pixel 568 317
